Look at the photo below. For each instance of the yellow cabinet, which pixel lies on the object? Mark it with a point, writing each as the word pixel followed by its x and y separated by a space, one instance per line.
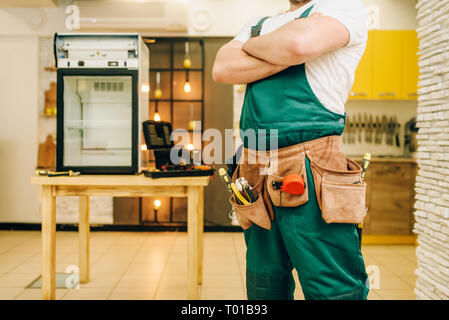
pixel 363 85
pixel 387 64
pixel 410 69
pixel 389 68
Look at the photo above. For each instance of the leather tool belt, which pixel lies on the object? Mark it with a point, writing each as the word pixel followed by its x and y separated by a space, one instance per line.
pixel 339 188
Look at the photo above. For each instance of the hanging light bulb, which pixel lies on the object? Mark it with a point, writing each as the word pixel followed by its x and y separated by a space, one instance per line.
pixel 191 125
pixel 187 65
pixel 187 86
pixel 157 95
pixel 156 117
pixel 187 61
pixel 158 91
pixel 157 204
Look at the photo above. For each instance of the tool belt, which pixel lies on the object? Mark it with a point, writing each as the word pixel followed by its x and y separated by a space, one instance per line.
pixel 339 188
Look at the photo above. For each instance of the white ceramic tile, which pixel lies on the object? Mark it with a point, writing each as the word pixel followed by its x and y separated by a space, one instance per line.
pixel 36 294
pixel 17 280
pixel 222 294
pixel 10 293
pixel 132 294
pixel 87 294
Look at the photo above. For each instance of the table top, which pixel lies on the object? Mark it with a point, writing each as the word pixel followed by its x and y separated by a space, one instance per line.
pixel 118 180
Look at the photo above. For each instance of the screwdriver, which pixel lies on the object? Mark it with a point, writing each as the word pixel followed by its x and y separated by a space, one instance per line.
pixel 365 163
pixel 225 178
pixel 232 188
pixel 245 189
pixel 69 173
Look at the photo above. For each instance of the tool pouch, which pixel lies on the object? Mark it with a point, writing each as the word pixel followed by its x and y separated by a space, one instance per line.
pixel 340 190
pixel 259 212
pixel 290 161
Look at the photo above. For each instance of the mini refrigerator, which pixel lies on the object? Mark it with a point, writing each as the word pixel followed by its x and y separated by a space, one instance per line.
pixel 102 100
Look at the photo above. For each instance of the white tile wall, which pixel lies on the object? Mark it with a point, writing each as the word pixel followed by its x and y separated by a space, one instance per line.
pixel 432 186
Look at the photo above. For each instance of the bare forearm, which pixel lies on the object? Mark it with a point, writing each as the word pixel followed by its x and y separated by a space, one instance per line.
pixel 299 41
pixel 266 48
pixel 233 66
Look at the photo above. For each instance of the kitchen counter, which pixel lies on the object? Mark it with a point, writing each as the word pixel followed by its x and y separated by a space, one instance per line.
pixel 386 159
pixel 390 195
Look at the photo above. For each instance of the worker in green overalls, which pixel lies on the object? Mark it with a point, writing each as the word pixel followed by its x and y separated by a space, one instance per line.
pixel 299 69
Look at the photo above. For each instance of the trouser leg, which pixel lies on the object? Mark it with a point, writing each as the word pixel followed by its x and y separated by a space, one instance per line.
pixel 327 257
pixel 268 266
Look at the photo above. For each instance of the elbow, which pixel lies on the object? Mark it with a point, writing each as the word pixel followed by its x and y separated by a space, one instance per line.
pixel 218 73
pixel 300 48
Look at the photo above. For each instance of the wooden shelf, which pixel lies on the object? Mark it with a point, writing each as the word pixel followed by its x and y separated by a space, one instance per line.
pixel 51 69
pixel 173 71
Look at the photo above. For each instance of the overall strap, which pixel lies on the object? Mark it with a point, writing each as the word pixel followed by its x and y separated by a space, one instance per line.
pixel 255 31
pixel 306 13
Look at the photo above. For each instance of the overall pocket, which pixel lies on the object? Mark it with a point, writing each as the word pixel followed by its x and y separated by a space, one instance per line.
pixel 292 164
pixel 343 198
pixel 257 211
pixel 341 193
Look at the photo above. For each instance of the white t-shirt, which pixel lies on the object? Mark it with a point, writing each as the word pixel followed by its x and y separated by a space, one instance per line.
pixel 331 76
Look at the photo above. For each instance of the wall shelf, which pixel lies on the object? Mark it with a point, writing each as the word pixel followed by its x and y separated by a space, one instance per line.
pixel 175 106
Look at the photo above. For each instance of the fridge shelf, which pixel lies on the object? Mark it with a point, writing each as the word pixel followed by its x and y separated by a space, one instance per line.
pixel 98 124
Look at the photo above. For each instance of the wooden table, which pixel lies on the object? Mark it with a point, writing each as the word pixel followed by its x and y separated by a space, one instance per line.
pixel 118 186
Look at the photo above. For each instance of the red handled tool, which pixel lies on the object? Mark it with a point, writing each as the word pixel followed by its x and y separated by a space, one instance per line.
pixel 292 184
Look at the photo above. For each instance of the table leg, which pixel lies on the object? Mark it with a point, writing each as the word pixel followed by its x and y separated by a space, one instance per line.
pixel 84 230
pixel 192 242
pixel 200 234
pixel 48 243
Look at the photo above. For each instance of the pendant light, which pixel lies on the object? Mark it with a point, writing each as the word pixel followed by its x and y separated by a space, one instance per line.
pixel 157 95
pixel 187 65
pixel 157 117
pixel 158 91
pixel 191 125
pixel 156 206
pixel 187 86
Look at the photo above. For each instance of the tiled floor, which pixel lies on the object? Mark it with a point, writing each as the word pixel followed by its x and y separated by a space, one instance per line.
pixel 152 265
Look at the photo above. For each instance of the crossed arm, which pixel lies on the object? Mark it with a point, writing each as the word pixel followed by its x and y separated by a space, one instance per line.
pixel 234 66
pixel 294 43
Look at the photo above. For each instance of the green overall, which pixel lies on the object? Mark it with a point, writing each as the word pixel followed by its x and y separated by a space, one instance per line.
pixel 327 257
